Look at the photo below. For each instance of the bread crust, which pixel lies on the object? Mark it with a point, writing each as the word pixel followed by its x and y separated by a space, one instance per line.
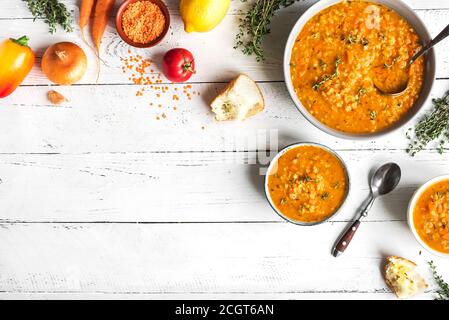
pixel 389 260
pixel 388 282
pixel 259 106
pixel 251 112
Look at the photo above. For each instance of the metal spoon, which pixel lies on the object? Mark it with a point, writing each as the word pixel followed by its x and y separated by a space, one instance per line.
pixel 400 89
pixel 383 181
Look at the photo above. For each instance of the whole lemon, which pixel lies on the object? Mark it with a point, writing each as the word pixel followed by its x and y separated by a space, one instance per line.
pixel 203 15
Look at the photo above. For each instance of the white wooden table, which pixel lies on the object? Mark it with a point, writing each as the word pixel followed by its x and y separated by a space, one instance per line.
pixel 98 199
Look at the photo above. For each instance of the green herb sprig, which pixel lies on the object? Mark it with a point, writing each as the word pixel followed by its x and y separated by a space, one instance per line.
pixel 53 12
pixel 360 93
pixel 306 178
pixel 328 77
pixel 434 126
pixel 443 291
pixel 256 24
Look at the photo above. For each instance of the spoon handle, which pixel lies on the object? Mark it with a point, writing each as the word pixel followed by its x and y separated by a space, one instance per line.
pixel 443 34
pixel 345 239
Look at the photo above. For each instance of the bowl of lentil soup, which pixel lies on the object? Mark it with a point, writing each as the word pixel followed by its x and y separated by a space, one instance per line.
pixel 428 215
pixel 306 183
pixel 334 52
pixel 142 23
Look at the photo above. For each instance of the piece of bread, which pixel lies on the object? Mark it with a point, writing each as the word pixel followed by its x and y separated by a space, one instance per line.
pixel 239 100
pixel 402 278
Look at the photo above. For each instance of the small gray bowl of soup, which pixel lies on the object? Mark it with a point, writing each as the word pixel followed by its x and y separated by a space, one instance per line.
pixel 306 183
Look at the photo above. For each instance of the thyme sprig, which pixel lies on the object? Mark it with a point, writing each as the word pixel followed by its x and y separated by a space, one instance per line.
pixel 443 291
pixel 434 126
pixel 53 12
pixel 256 24
pixel 328 77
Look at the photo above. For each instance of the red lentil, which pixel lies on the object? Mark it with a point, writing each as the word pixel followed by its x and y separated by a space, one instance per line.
pixel 153 86
pixel 143 21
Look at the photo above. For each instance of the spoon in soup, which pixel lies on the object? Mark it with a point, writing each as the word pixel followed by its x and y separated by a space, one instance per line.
pixel 395 84
pixel 383 181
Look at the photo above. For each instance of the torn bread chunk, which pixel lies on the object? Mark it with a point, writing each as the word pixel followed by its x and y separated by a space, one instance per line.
pixel 402 278
pixel 239 100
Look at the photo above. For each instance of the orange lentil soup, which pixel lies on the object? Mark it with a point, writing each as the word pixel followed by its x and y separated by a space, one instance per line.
pixel 308 184
pixel 431 216
pixel 336 57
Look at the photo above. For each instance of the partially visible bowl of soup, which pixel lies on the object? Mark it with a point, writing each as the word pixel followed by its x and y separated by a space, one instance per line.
pixel 428 215
pixel 306 183
pixel 338 49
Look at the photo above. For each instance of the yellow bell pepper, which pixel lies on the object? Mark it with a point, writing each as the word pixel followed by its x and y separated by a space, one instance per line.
pixel 16 59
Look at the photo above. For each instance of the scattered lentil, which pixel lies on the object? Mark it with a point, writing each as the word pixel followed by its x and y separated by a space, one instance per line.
pixel 143 73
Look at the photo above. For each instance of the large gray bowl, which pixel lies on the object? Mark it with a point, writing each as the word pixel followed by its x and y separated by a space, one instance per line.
pixel 429 77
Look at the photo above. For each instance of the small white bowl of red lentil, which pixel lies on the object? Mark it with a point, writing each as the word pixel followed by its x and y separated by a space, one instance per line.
pixel 428 215
pixel 142 23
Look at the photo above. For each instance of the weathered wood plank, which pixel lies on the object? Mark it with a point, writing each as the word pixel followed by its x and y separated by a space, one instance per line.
pixel 201 259
pixel 180 187
pixel 113 118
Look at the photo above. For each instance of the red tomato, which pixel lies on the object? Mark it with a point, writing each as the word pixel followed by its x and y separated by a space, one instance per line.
pixel 178 65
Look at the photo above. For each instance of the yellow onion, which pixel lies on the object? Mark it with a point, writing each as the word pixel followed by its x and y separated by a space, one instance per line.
pixel 64 63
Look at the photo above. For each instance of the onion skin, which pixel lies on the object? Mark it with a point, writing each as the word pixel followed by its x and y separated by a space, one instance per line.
pixel 64 63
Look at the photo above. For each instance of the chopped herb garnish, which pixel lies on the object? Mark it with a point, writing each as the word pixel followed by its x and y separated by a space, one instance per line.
pixel 306 178
pixel 328 77
pixel 322 64
pixel 360 93
pixel 372 115
pixel 325 196
pixel 351 39
pixel 336 185
pixel 283 201
pixel 440 194
pixel 337 63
